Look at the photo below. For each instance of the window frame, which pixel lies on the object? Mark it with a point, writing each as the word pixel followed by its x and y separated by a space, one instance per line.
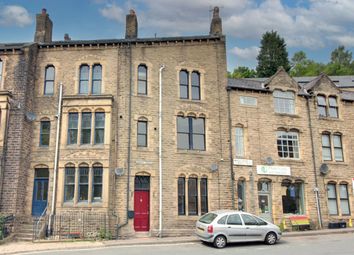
pixel 81 184
pixel 181 193
pixel 338 148
pixel 142 80
pixel 74 129
pixel 195 86
pixel 71 184
pixel 183 85
pixel 82 79
pixel 326 147
pixel 332 198
pixel 99 128
pixel 204 208
pixel 191 133
pixel 322 106
pixel 333 108
pixel 344 200
pixel 283 102
pixel 143 134
pixel 48 81
pixel 96 169
pixel 41 133
pixel 239 142
pixel 193 196
pixel 84 128
pixel 283 142
pixel 96 79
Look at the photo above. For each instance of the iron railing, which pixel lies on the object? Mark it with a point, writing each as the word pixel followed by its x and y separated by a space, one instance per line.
pixel 6 226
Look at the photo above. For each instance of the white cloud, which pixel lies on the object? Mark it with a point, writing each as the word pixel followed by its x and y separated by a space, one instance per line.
pixel 113 12
pixel 250 53
pixel 14 15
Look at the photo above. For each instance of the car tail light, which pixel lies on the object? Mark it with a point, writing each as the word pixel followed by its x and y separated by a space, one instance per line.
pixel 210 229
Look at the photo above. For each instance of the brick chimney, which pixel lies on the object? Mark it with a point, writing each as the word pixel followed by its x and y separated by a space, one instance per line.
pixel 131 31
pixel 44 27
pixel 216 23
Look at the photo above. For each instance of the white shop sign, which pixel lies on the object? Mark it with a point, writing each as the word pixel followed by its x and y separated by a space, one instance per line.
pixel 243 162
pixel 273 170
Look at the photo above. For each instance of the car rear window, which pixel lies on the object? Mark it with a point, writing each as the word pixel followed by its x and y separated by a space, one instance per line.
pixel 208 218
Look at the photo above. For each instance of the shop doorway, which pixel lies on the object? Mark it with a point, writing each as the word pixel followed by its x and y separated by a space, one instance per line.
pixel 142 203
pixel 265 200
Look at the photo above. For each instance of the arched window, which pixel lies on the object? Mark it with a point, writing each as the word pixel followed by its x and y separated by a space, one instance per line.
pixel 73 127
pixel 142 80
pixel 344 198
pixel 96 79
pixel 288 144
pixel 195 86
pixel 326 146
pixel 338 147
pixel 332 198
pixel 84 79
pixel 203 195
pixel 69 183
pixel 181 195
pixel 49 80
pixel 99 127
pixel 183 84
pixel 83 182
pixel 190 133
pixel 142 133
pixel 44 136
pixel 97 182
pixel 239 142
pixel 86 119
pixel 192 196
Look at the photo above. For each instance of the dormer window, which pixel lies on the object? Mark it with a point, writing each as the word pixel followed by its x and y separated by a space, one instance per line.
pixel 327 108
pixel 284 102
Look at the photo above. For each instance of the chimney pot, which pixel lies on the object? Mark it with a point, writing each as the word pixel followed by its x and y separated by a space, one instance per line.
pixel 131 29
pixel 216 23
pixel 44 11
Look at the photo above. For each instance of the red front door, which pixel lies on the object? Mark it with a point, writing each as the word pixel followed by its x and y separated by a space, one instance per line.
pixel 141 210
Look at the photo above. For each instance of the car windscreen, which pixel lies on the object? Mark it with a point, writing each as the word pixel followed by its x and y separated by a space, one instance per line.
pixel 208 218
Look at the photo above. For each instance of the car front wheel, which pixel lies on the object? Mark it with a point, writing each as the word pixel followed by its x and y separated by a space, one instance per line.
pixel 271 238
pixel 220 241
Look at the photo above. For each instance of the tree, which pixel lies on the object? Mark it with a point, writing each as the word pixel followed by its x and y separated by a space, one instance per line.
pixel 341 56
pixel 243 72
pixel 272 55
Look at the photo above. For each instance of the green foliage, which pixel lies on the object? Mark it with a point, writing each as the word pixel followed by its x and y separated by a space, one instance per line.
pixel 242 72
pixel 105 234
pixel 272 55
pixel 341 64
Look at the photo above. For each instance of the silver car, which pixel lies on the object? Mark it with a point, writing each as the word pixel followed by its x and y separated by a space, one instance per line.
pixel 222 227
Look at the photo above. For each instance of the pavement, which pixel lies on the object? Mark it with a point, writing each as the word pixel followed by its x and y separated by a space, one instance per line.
pixel 14 247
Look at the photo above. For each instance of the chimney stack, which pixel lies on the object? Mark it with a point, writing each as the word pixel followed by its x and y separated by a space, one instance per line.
pixel 67 37
pixel 44 27
pixel 131 31
pixel 216 23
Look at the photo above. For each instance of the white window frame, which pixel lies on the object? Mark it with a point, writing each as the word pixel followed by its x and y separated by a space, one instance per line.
pixel 284 102
pixel 239 142
pixel 286 138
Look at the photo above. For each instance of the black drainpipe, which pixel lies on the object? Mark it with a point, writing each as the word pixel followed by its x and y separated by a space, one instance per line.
pixel 230 150
pixel 314 162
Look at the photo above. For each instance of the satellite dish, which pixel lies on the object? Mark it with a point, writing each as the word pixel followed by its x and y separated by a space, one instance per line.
pixel 30 116
pixel 119 171
pixel 214 167
pixel 324 169
pixel 269 161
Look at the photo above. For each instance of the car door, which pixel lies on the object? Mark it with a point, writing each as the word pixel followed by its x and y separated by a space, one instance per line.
pixel 253 230
pixel 234 228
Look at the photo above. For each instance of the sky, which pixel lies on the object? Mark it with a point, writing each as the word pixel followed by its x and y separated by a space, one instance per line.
pixel 314 26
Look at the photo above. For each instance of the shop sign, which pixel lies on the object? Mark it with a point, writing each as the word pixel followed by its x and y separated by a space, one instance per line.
pixel 243 162
pixel 273 170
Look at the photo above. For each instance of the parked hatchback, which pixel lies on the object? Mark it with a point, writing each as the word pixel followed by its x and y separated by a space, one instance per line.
pixel 222 227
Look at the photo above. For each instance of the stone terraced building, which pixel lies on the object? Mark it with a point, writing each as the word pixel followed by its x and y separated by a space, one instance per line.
pixel 147 134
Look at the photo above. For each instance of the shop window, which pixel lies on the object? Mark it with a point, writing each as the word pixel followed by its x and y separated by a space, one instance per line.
pixel 292 197
pixel 241 195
